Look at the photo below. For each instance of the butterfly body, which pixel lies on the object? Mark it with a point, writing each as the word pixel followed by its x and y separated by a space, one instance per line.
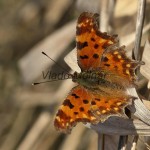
pixel 97 80
pixel 106 74
pixel 89 79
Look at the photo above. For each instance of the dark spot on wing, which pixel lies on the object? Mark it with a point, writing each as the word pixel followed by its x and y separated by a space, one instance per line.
pixel 92 39
pixel 68 103
pixel 76 113
pixel 107 65
pixel 96 46
pixel 105 59
pixel 85 101
pixel 95 56
pixel 97 99
pixel 93 103
pixel 84 57
pixel 81 45
pixel 81 109
pixel 74 95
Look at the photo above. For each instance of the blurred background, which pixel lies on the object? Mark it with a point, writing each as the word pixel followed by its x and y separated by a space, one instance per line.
pixel 27 28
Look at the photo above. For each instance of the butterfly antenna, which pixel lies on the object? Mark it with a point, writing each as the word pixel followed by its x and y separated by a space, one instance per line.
pixel 46 81
pixel 43 82
pixel 55 62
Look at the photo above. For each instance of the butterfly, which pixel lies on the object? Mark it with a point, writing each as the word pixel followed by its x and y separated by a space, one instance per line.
pixel 106 73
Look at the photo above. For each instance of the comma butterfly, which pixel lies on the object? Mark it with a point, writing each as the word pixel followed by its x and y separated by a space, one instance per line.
pixel 106 73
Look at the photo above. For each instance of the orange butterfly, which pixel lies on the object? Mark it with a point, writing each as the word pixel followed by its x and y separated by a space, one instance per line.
pixel 106 73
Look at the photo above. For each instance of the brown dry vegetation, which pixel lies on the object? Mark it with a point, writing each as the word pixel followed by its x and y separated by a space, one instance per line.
pixel 26 29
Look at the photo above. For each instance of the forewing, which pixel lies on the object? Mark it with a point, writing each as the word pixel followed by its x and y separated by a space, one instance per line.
pixel 91 43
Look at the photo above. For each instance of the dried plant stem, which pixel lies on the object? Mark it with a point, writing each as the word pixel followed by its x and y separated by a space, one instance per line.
pixel 134 143
pixel 104 17
pixel 139 27
pixel 122 142
pixel 101 141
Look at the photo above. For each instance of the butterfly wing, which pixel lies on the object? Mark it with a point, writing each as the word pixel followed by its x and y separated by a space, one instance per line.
pixel 104 106
pixel 99 50
pixel 91 43
pixel 115 60
pixel 82 105
pixel 75 108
